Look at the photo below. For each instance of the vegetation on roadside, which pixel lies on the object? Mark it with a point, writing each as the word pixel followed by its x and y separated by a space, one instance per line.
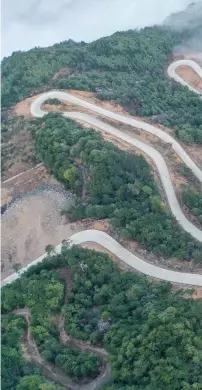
pixel 120 186
pixel 128 67
pixel 53 101
pixel 189 175
pixel 193 199
pixel 153 336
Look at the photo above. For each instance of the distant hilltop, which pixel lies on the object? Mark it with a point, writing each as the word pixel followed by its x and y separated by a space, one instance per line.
pixel 190 18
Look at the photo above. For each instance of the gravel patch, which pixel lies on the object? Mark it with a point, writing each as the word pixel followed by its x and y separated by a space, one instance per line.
pixel 31 222
pixel 56 193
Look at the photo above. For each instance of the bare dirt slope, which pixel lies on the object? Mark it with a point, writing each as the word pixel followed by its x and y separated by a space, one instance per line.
pixel 188 74
pixel 26 181
pixel 33 222
pixel 17 146
pixel 30 224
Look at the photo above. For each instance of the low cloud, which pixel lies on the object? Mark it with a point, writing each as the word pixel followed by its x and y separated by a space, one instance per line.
pixel 31 23
pixel 191 19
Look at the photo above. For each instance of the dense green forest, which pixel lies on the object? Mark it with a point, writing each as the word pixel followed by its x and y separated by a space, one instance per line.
pixel 128 67
pixel 17 373
pixel 153 336
pixel 43 295
pixel 118 185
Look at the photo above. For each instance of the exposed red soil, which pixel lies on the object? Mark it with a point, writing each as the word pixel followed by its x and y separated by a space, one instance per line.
pixel 188 74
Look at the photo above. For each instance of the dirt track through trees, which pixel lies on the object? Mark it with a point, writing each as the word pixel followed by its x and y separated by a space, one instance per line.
pixel 54 373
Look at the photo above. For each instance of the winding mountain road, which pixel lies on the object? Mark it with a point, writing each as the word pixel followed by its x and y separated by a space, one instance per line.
pixel 123 254
pixel 150 151
pixel 102 238
pixel 192 64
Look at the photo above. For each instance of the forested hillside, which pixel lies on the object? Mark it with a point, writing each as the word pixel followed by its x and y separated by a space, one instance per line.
pixel 117 185
pixel 153 337
pixel 75 317
pixel 128 67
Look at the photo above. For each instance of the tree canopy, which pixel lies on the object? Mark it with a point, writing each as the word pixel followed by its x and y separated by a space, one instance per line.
pixel 193 199
pixel 153 336
pixel 43 295
pixel 120 186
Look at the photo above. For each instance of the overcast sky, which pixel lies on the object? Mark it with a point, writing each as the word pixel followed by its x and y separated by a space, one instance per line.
pixel 29 23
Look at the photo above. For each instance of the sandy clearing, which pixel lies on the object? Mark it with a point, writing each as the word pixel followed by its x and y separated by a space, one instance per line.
pixel 197 293
pixel 29 225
